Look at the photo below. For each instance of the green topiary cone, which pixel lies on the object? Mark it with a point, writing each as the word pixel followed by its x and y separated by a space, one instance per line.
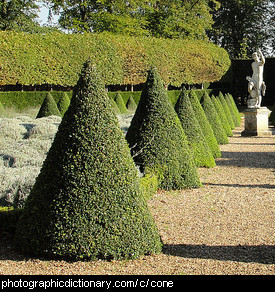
pixel 131 104
pixel 221 113
pixel 157 139
pixel 196 140
pixel 114 106
pixel 234 110
pixel 63 103
pixel 226 111
pixel 214 119
pixel 86 202
pixel 205 125
pixel 48 107
pixel 120 103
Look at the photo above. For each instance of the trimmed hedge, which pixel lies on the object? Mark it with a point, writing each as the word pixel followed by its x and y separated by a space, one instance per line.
pixel 205 125
pixel 226 110
pixel 63 103
pixel 27 99
pixel 157 140
pixel 114 106
pixel 86 201
pixel 202 154
pixel 56 58
pixel 234 110
pixel 131 104
pixel 48 108
pixel 120 103
pixel 214 119
pixel 221 113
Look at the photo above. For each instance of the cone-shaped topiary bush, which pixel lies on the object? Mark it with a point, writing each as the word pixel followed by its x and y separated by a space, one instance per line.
pixel 221 113
pixel 86 201
pixel 214 119
pixel 120 103
pixel 48 107
pixel 234 110
pixel 114 106
pixel 157 139
pixel 196 140
pixel 131 104
pixel 205 125
pixel 63 103
pixel 226 111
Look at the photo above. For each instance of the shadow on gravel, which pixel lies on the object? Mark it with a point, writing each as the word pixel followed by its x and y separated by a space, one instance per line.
pixel 263 186
pixel 247 159
pixel 264 254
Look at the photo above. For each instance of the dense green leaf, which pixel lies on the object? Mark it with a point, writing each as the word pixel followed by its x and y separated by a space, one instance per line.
pixel 57 58
pixel 86 201
pixel 201 152
pixel 157 140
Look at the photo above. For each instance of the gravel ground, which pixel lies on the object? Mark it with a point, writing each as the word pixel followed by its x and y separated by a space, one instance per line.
pixel 225 227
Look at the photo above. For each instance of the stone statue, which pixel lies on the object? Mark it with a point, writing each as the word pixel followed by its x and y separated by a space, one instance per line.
pixel 256 85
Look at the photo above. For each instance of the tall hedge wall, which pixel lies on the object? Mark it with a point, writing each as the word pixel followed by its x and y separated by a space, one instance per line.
pixel 56 59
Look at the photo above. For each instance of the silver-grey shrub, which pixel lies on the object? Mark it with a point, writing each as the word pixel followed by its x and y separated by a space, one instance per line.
pixel 24 144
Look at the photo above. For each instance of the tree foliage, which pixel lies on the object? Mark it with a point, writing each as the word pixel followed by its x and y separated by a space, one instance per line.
pixel 179 19
pixel 168 19
pixel 241 26
pixel 18 15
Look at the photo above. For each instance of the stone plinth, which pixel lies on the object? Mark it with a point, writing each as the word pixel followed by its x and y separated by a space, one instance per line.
pixel 256 122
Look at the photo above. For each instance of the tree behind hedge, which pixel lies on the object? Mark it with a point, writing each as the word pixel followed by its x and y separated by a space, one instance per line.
pixel 63 103
pixel 214 119
pixel 205 125
pixel 221 113
pixel 157 139
pixel 196 140
pixel 86 201
pixel 48 107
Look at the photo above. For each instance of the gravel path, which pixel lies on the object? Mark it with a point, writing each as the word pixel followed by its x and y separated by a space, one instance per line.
pixel 225 227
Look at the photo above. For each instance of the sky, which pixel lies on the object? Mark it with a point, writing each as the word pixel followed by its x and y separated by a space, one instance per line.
pixel 43 15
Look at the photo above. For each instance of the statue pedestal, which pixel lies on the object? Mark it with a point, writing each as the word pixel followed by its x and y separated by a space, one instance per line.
pixel 256 122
